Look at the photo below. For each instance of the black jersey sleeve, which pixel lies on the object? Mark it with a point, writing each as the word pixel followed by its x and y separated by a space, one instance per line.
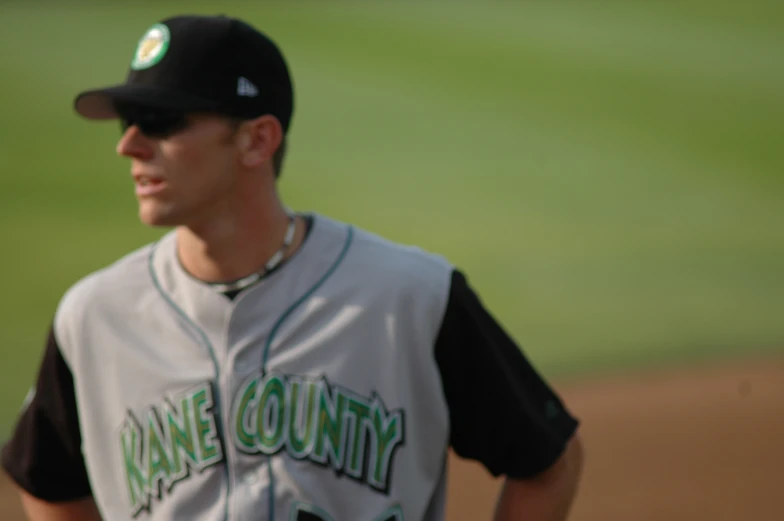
pixel 502 412
pixel 43 455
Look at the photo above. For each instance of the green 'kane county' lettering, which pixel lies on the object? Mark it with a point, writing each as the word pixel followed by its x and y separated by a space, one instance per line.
pixel 309 419
pixel 314 420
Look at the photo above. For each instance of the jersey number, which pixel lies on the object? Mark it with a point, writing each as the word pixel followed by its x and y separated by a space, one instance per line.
pixel 306 512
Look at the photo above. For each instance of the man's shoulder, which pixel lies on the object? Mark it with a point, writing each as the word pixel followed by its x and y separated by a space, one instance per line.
pixel 111 282
pixel 378 257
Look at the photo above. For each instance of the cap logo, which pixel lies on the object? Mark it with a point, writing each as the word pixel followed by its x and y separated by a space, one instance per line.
pixel 152 47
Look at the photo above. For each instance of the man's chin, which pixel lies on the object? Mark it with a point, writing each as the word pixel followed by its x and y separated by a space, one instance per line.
pixel 155 218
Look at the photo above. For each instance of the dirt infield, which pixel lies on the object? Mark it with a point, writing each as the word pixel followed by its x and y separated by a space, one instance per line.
pixel 682 446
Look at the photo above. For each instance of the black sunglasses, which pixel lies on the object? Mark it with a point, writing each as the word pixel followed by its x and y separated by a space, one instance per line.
pixel 152 121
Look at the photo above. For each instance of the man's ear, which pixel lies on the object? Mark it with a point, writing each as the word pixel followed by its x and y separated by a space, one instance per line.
pixel 244 141
pixel 258 139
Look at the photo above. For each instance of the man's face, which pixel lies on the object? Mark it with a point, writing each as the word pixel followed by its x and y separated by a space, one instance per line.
pixel 184 166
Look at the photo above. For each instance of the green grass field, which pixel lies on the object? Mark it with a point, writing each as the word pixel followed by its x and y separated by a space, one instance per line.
pixel 609 174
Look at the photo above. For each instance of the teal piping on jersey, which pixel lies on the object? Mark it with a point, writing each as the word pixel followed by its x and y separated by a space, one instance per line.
pixel 218 403
pixel 274 331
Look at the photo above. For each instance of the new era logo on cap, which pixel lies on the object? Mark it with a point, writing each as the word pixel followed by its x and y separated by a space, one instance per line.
pixel 246 88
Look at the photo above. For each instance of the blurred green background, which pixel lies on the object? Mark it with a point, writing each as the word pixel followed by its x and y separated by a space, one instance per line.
pixel 609 174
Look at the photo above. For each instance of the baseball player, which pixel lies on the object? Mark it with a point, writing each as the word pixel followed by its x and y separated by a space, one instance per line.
pixel 258 363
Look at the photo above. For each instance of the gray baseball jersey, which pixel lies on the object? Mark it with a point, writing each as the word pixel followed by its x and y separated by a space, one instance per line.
pixel 329 391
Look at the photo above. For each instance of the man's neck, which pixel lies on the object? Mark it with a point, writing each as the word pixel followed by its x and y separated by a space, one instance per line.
pixel 235 247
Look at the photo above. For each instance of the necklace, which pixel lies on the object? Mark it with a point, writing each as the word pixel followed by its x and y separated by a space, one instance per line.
pixel 272 263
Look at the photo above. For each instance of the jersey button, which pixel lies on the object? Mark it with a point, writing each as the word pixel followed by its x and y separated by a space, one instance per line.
pixel 251 478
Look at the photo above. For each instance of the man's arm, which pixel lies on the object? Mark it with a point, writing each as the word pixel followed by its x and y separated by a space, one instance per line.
pixel 504 414
pixel 77 510
pixel 43 457
pixel 546 497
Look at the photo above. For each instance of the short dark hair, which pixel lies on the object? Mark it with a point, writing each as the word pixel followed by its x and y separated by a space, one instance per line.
pixel 279 156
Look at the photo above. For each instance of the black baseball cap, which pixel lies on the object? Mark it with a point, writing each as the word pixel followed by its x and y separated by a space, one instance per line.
pixel 201 63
